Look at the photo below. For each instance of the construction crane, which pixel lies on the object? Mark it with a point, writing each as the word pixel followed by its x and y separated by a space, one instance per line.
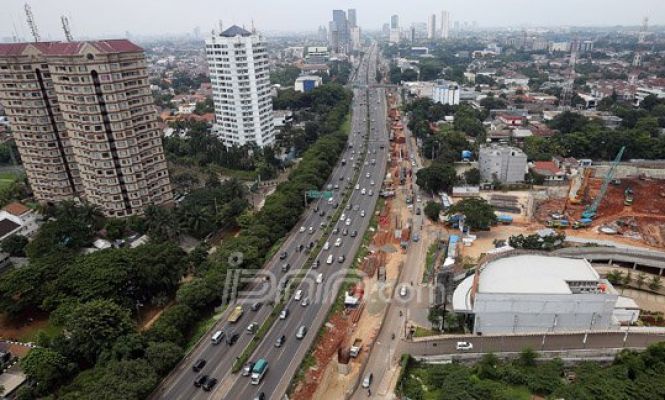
pixel 66 28
pixel 31 22
pixel 590 211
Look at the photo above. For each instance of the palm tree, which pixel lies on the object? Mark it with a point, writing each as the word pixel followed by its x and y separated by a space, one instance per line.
pixel 655 283
pixel 641 279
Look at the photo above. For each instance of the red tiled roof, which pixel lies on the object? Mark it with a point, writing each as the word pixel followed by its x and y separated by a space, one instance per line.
pixel 16 208
pixel 546 166
pixel 70 48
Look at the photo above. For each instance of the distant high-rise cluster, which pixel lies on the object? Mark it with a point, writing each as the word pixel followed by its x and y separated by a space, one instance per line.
pixel 445 24
pixel 239 73
pixel 431 27
pixel 395 31
pixel 84 123
pixel 343 31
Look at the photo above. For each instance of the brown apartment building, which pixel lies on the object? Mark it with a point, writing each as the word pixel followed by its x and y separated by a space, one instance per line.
pixel 83 119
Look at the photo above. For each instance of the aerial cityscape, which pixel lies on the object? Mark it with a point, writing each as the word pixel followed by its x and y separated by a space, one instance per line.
pixel 339 201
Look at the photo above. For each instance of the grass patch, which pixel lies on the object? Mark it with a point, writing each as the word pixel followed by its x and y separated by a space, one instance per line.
pixel 49 330
pixel 425 332
pixel 429 260
pixel 7 178
pixel 202 327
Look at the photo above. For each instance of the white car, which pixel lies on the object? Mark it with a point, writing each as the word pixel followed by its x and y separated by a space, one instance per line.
pixel 338 242
pixel 330 259
pixel 367 175
pixel 302 229
pixel 311 229
pixel 371 182
pixel 403 291
pixel 357 186
pixel 362 213
pixel 464 346
pixel 371 192
pixel 342 217
pixel 305 302
pixel 319 278
pixel 363 191
pixel 326 245
pixel 348 222
pixel 298 295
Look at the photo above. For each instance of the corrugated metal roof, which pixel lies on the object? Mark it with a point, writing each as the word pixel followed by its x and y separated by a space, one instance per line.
pixel 110 46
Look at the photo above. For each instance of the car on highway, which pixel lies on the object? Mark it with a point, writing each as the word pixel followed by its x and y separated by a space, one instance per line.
pixel 280 341
pixel 252 328
pixel 418 199
pixel 209 384
pixel 357 186
pixel 330 259
pixel 319 278
pixel 403 291
pixel 345 232
pixel 415 237
pixel 217 337
pixel 417 210
pixel 283 255
pixel 341 258
pixel 198 365
pixel 367 175
pixel 305 302
pixel 200 380
pixel 316 264
pixel 335 231
pixel 298 295
pixel 311 229
pixel 284 314
pixel 256 306
pixel 247 369
pixel 348 222
pixel 371 192
pixel 371 182
pixel 362 213
pixel 354 233
pixel 464 346
pixel 342 217
pixel 363 191
pixel 326 245
pixel 348 206
pixel 368 380
pixel 338 242
pixel 260 396
pixel 301 332
pixel 286 267
pixel 302 229
pixel 232 339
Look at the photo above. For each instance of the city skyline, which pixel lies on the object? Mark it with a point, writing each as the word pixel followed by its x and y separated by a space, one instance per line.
pixel 288 16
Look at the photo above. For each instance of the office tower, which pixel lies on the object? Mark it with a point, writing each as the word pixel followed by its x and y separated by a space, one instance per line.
pixel 413 34
pixel 431 27
pixel 238 64
pixel 385 29
pixel 394 22
pixel 340 25
pixel 445 25
pixel 323 33
pixel 356 43
pixel 352 19
pixel 84 123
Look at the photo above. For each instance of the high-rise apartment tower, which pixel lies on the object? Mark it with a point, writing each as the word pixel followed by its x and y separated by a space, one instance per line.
pixel 84 122
pixel 238 65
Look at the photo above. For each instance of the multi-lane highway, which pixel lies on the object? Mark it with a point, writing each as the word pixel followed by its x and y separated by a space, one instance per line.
pixel 220 358
pixel 369 110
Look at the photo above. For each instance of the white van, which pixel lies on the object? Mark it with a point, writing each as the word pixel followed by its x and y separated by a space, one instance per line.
pixel 217 337
pixel 330 259
pixel 326 245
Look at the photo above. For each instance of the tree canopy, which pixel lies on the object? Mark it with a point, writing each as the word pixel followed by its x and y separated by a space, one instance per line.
pixel 478 213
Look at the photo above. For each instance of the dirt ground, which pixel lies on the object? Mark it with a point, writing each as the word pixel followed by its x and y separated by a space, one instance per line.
pixel 23 327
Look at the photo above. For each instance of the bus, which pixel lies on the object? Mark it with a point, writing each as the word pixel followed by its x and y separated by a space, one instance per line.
pixel 259 370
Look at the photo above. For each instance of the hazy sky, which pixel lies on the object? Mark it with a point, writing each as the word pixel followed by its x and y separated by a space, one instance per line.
pixel 112 18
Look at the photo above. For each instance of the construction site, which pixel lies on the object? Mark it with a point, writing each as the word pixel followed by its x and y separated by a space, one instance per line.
pixel 625 201
pixel 351 330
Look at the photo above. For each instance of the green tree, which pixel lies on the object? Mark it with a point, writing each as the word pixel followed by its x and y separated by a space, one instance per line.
pixel 527 357
pixel 640 280
pixel 115 228
pixel 432 210
pixel 163 356
pixel 48 368
pixel 472 176
pixel 478 213
pixel 15 245
pixel 437 177
pixel 91 327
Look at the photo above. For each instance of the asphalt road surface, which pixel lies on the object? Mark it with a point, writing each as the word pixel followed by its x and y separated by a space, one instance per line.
pixel 284 361
pixel 220 358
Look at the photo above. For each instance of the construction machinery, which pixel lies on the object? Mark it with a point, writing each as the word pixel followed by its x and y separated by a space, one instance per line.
pixel 590 210
pixel 558 223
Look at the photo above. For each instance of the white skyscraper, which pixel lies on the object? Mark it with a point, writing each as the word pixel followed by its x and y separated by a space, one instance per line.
pixel 445 24
pixel 238 64
pixel 431 26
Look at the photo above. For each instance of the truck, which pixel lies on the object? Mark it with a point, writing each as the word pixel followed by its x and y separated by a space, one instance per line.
pixel 235 315
pixel 558 223
pixel 582 223
pixel 259 370
pixel 504 219
pixel 356 347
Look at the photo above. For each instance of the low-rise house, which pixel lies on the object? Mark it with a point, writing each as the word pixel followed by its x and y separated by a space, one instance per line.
pixel 548 169
pixel 15 218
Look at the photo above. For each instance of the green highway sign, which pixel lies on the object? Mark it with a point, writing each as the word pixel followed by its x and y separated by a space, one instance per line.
pixel 315 194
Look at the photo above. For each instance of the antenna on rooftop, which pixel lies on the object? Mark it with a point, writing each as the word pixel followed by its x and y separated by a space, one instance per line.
pixel 66 28
pixel 221 27
pixel 31 22
pixel 253 28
